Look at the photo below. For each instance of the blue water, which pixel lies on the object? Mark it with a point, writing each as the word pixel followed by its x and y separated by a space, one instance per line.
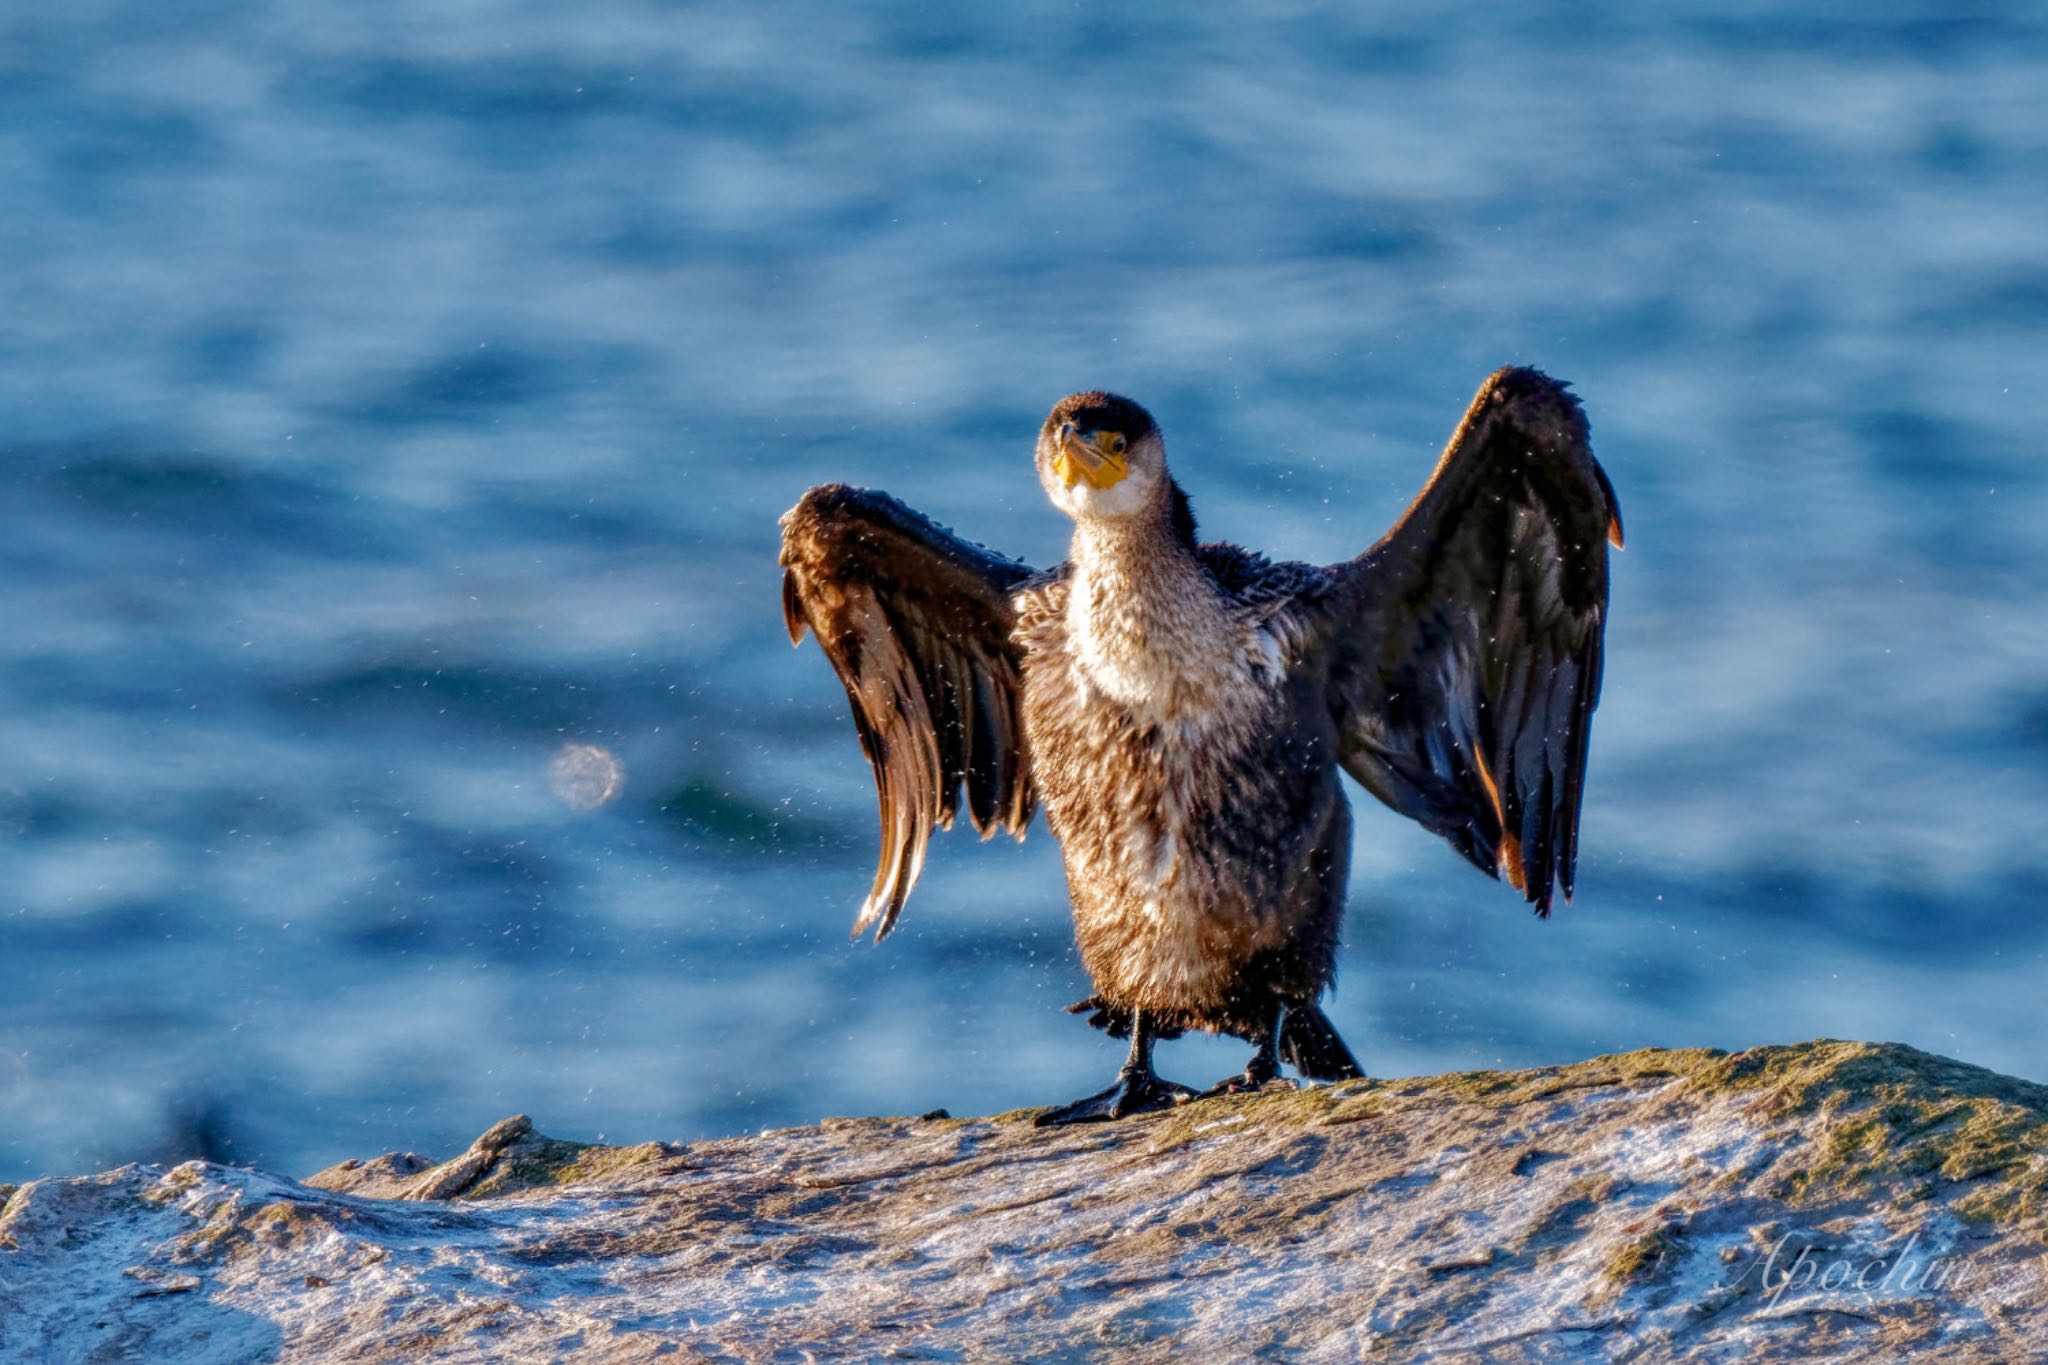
pixel 394 394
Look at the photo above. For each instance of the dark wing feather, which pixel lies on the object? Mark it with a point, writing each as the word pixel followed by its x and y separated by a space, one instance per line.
pixel 916 622
pixel 1466 645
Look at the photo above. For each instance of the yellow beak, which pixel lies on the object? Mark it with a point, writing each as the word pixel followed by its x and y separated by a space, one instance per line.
pixel 1089 457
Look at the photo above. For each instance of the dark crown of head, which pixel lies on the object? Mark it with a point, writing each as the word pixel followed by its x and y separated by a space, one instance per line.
pixel 1098 411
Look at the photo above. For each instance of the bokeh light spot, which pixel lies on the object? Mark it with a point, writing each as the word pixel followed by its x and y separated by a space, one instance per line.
pixel 586 776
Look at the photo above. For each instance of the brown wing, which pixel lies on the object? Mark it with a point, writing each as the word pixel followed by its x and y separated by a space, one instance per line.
pixel 1466 649
pixel 916 622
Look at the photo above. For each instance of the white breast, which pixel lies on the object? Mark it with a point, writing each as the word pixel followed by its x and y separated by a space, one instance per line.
pixel 1184 665
pixel 1174 654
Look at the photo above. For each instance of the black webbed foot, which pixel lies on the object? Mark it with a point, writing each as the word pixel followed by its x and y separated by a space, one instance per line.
pixel 1138 1087
pixel 1263 1067
pixel 1135 1092
pixel 1258 1073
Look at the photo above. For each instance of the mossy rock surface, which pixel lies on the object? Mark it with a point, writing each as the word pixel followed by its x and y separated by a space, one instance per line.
pixel 1829 1200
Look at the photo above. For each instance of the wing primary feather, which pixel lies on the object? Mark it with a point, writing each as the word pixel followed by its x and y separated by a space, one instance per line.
pixel 1539 853
pixel 1463 648
pixel 984 762
pixel 1492 789
pixel 1510 856
pixel 1015 761
pixel 1575 767
pixel 792 609
pixel 917 624
pixel 1614 532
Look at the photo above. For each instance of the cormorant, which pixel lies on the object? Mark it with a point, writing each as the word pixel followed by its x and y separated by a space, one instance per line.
pixel 1183 709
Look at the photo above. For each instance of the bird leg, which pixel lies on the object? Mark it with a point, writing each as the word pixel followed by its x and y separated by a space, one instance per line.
pixel 1264 1065
pixel 1138 1087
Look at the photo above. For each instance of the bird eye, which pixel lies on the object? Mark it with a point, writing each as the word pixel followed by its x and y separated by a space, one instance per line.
pixel 1116 443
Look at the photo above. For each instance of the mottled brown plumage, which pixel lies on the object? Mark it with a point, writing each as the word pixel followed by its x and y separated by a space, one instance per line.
pixel 1183 710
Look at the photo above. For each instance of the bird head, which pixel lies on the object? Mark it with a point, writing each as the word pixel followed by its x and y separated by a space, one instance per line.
pixel 1101 457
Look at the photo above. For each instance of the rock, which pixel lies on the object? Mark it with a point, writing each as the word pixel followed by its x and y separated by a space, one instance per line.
pixel 1841 1201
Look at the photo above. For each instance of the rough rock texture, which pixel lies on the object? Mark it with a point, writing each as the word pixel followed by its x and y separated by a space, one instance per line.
pixel 1829 1201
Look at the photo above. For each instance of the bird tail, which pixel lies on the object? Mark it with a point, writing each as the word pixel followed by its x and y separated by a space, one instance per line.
pixel 1311 1046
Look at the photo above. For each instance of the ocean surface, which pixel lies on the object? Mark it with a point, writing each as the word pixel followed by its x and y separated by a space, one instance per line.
pixel 392 396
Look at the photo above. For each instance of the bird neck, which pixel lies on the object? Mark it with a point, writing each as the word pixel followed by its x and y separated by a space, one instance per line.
pixel 1144 618
pixel 1131 545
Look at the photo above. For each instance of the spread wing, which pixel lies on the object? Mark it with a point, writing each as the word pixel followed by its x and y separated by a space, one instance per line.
pixel 1466 645
pixel 916 622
